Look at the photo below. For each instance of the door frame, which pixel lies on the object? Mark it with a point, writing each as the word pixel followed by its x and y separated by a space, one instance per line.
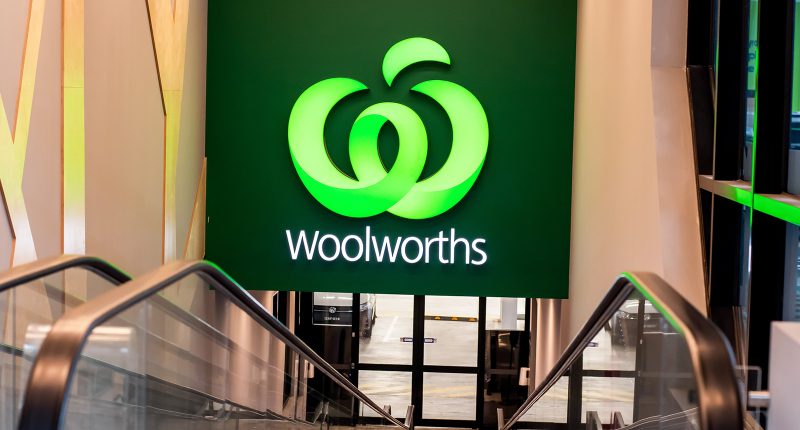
pixel 418 369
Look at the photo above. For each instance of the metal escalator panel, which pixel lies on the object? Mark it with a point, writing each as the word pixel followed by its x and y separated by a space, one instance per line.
pixel 32 297
pixel 645 359
pixel 181 347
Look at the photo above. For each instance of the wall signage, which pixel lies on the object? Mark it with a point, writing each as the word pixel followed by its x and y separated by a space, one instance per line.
pixel 406 153
pixel 374 190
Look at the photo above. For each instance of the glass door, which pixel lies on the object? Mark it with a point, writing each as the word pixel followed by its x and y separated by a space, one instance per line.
pixel 439 353
pixel 508 342
pixel 325 322
pixel 450 359
pixel 385 351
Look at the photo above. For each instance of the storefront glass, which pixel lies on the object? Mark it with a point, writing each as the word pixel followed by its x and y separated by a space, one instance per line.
pixel 451 331
pixel 791 297
pixel 387 328
pixel 750 93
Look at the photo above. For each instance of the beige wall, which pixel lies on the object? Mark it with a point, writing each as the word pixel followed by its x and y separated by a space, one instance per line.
pixel 124 136
pixel 681 244
pixel 634 192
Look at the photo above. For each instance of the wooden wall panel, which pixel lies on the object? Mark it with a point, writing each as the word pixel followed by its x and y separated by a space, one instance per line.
pixel 110 165
pixel 12 45
pixel 74 134
pixel 42 179
pixel 191 148
pixel 14 133
pixel 169 24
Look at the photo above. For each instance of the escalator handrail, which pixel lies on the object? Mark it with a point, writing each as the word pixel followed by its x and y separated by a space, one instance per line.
pixel 46 396
pixel 25 273
pixel 720 404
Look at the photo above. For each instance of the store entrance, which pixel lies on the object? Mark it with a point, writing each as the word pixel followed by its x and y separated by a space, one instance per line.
pixel 457 359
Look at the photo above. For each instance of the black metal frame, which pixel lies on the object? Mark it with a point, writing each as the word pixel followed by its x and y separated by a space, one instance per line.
pixel 768 245
pixel 51 376
pixel 36 270
pixel 720 404
pixel 46 396
pixel 417 369
pixel 724 277
pixel 760 296
pixel 774 94
pixel 731 86
pixel 700 55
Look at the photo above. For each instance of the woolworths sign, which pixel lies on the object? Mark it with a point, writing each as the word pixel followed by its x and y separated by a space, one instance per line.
pixel 363 146
pixel 439 249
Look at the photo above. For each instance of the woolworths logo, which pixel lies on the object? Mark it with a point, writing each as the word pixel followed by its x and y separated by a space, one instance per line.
pixel 399 191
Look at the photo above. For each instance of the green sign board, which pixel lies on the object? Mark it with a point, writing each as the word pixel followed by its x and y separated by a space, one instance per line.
pixel 416 147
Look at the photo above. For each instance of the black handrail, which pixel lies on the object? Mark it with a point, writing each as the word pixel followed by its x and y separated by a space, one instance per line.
pixel 38 269
pixel 720 405
pixel 29 272
pixel 45 399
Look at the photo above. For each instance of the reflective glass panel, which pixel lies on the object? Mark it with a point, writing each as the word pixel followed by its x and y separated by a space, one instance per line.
pixel 27 312
pixel 608 396
pixel 386 389
pixel 791 298
pixel 793 179
pixel 190 357
pixel 332 328
pixel 750 91
pixel 614 347
pixel 552 407
pixel 387 325
pixel 743 308
pixel 505 313
pixel 451 331
pixel 636 370
pixel 449 396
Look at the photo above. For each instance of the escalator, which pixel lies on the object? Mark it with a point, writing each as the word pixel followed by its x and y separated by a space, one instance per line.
pixel 186 347
pixel 646 359
pixel 32 298
pixel 183 347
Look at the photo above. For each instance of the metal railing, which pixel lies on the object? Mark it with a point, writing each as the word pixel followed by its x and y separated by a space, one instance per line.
pixel 45 403
pixel 32 271
pixel 46 397
pixel 720 404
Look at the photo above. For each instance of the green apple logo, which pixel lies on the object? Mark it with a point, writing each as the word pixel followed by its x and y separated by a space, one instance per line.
pixel 375 190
